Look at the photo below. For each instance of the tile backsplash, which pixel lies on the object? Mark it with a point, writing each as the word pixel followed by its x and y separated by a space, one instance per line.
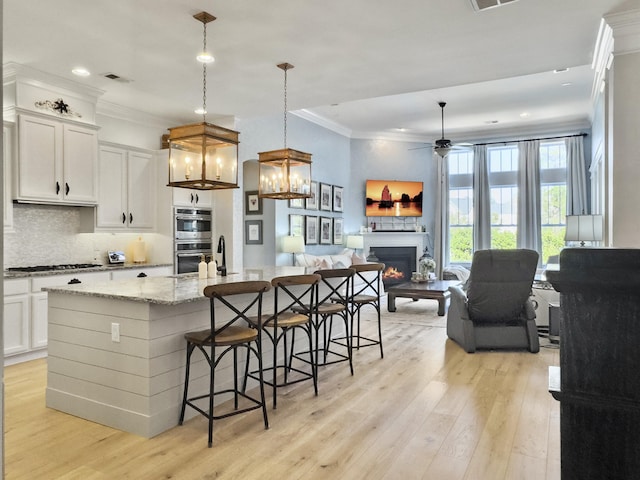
pixel 50 235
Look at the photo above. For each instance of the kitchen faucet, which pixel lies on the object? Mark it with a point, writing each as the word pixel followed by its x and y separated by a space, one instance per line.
pixel 222 249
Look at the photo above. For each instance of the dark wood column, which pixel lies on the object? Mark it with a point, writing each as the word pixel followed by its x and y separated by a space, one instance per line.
pixel 599 363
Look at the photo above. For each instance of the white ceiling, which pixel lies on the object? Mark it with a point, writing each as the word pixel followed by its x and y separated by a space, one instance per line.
pixel 368 66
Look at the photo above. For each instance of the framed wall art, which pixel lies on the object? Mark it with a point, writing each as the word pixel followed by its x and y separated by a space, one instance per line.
pixel 311 230
pixel 296 203
pixel 252 203
pixel 325 230
pixel 296 225
pixel 253 232
pixel 325 197
pixel 338 205
pixel 337 231
pixel 312 201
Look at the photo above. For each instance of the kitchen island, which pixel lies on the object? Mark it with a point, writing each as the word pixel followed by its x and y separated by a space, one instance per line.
pixel 117 349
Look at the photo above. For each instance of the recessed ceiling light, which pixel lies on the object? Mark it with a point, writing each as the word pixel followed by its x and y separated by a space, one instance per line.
pixel 561 70
pixel 205 57
pixel 525 114
pixel 566 84
pixel 81 72
pixel 401 129
pixel 200 111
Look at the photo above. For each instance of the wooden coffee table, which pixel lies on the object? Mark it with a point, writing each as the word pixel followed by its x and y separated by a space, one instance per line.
pixel 435 290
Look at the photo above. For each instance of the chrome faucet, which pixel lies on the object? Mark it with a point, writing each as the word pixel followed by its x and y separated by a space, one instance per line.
pixel 222 249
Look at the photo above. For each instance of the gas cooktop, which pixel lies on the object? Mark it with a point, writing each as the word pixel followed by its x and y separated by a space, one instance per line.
pixel 46 268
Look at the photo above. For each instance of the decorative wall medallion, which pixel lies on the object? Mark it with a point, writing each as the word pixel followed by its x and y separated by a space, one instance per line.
pixel 58 106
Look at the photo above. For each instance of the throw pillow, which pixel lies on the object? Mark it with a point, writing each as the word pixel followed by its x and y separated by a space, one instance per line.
pixel 357 259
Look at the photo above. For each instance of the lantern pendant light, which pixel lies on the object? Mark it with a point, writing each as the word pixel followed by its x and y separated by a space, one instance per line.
pixel 203 156
pixel 284 174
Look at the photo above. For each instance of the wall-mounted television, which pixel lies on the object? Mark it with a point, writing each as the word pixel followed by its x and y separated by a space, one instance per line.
pixel 393 198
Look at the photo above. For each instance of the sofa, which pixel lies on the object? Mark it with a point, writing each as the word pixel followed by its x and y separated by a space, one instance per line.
pixel 344 259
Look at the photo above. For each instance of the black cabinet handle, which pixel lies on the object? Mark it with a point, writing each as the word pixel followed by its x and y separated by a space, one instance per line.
pixel 192 198
pixel 66 188
pixel 57 188
pixel 124 218
pixel 73 281
pixel 197 199
pixel 142 275
pixel 130 218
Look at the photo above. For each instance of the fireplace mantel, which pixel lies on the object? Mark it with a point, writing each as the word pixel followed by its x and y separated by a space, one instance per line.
pixel 395 239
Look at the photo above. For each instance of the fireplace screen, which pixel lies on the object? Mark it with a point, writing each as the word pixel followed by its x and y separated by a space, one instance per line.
pixel 400 263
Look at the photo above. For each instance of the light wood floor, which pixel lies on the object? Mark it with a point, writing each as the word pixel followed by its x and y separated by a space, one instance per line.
pixel 427 410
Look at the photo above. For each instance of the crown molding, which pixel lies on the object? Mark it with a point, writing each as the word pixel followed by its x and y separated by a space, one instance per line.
pixel 323 122
pixel 626 31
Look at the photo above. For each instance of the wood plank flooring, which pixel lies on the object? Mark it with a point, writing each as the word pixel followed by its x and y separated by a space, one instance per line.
pixel 428 410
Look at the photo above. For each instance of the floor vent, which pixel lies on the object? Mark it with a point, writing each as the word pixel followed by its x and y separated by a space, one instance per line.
pixel 479 5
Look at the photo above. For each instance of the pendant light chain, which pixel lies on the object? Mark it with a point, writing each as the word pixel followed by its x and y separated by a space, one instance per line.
pixel 285 107
pixel 204 76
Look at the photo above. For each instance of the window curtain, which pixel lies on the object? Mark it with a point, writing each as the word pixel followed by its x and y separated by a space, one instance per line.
pixel 481 199
pixel 576 177
pixel 529 215
pixel 441 253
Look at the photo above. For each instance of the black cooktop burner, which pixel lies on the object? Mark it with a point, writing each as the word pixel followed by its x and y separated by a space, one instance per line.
pixel 46 268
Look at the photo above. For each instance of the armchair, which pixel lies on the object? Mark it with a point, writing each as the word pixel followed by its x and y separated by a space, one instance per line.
pixel 495 311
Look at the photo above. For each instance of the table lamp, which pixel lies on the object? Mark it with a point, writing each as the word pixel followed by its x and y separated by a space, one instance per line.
pixel 584 228
pixel 355 242
pixel 293 245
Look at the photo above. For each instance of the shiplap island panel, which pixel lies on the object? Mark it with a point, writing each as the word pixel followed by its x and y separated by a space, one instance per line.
pixel 134 384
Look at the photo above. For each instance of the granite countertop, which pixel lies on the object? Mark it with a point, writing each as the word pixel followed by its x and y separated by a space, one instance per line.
pixel 97 268
pixel 171 290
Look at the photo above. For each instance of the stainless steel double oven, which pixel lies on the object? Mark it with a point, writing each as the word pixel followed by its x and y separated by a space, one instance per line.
pixel 192 238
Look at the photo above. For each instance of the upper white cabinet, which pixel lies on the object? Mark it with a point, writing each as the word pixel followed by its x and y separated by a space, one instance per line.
pixel 127 190
pixel 187 197
pixel 57 162
pixel 7 136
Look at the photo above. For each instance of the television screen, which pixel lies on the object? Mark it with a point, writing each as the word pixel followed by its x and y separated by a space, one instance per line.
pixel 393 198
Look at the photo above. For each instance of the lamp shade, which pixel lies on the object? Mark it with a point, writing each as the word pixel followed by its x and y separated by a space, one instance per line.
pixel 293 244
pixel 584 228
pixel 355 241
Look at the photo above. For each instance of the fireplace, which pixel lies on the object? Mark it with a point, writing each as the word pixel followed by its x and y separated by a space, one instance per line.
pixel 399 263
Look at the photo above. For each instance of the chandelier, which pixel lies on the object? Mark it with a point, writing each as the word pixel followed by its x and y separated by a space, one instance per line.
pixel 286 173
pixel 203 156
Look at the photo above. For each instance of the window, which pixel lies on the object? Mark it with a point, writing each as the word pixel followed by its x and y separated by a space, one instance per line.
pixel 503 171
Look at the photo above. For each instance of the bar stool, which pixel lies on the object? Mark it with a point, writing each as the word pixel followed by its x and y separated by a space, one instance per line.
pixel 299 292
pixel 335 284
pixel 233 333
pixel 366 293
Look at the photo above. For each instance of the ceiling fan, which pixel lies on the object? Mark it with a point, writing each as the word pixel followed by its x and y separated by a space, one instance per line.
pixel 443 146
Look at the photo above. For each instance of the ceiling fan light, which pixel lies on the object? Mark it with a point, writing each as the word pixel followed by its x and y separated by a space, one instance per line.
pixel 442 151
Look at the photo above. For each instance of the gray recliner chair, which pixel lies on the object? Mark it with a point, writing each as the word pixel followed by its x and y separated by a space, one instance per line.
pixel 496 311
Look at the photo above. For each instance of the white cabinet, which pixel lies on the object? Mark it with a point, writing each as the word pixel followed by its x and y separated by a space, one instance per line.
pixel 187 197
pixel 16 316
pixel 7 134
pixel 57 162
pixel 127 191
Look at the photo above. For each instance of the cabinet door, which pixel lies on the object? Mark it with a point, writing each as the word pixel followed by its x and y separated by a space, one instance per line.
pixel 141 192
pixel 39 159
pixel 6 171
pixel 112 212
pixel 80 162
pixel 39 316
pixel 16 324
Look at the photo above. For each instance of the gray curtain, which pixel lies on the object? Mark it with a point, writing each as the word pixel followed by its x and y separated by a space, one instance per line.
pixel 441 253
pixel 481 199
pixel 529 216
pixel 576 177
